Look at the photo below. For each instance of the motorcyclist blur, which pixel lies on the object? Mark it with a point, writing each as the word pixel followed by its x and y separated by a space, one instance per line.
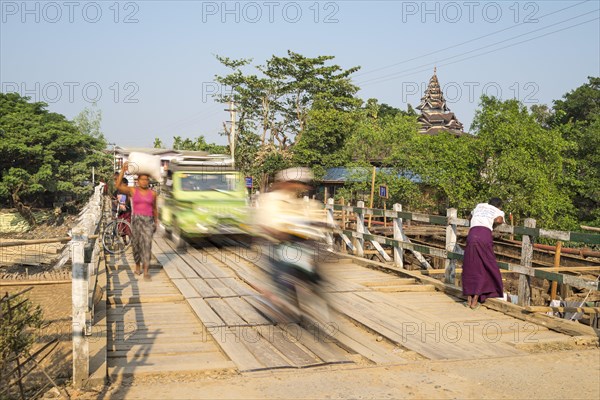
pixel 287 227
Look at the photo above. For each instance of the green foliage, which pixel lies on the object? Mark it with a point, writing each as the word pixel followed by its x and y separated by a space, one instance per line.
pixel 446 163
pixel 89 121
pixel 199 144
pixel 376 139
pixel 523 163
pixel 324 138
pixel 276 104
pixel 157 143
pixel 579 117
pixel 579 105
pixel 43 155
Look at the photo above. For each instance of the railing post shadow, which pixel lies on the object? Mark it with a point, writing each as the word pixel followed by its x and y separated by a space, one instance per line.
pixel 526 257
pixel 451 237
pixel 397 224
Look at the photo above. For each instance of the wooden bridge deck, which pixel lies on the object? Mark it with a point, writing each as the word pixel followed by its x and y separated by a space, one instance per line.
pixel 201 312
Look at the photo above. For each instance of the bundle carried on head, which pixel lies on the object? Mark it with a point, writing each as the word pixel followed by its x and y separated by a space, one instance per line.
pixel 144 164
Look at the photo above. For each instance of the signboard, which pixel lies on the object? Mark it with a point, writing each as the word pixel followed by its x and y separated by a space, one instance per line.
pixel 249 182
pixel 383 191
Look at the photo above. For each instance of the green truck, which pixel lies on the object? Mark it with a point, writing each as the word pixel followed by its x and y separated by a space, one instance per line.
pixel 202 196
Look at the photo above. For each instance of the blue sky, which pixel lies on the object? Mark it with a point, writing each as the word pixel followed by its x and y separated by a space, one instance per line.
pixel 150 65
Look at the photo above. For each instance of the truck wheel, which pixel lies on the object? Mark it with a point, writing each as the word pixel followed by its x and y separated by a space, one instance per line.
pixel 162 231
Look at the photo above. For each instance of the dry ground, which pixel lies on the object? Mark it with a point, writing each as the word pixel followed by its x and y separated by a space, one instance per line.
pixel 571 374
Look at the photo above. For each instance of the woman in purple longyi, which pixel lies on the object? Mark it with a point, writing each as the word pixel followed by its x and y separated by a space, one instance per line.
pixel 481 277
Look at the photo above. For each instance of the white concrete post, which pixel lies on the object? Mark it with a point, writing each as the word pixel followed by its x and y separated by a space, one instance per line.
pixel 79 288
pixel 397 224
pixel 330 222
pixel 451 237
pixel 360 228
pixel 524 292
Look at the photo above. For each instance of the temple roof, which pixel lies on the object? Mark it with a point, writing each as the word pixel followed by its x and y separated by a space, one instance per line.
pixel 435 114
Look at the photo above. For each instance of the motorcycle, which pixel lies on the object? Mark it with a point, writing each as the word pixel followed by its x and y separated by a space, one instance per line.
pixel 297 293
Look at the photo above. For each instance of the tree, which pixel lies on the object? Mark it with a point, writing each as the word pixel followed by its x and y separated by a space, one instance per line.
pixel 444 163
pixel 198 144
pixel 158 143
pixel 326 133
pixel 43 155
pixel 523 163
pixel 378 137
pixel 581 104
pixel 579 117
pixel 89 121
pixel 275 104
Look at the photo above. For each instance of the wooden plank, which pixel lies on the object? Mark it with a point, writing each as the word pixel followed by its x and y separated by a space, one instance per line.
pixel 390 282
pixel 204 259
pixel 144 299
pixel 246 311
pixel 289 347
pixel 585 310
pixel 432 338
pixel 226 313
pixel 232 345
pixel 364 343
pixel 323 347
pixel 206 314
pixel 198 266
pixel 202 287
pixel 239 287
pixel 186 288
pixel 404 288
pixel 169 266
pixel 569 327
pixel 405 332
pixel 183 267
pixel 261 348
pixel 163 246
pixel 220 288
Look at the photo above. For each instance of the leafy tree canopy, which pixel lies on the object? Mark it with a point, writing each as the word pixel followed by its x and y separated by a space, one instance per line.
pixel 43 156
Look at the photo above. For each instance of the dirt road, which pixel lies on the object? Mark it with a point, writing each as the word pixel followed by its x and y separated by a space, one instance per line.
pixel 573 374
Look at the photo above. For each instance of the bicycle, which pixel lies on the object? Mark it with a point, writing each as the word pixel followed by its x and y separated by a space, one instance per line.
pixel 116 237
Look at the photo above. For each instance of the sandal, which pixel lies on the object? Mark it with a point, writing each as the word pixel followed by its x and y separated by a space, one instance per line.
pixel 476 307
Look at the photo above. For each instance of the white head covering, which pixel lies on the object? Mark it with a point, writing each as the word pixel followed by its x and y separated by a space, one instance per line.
pixel 298 174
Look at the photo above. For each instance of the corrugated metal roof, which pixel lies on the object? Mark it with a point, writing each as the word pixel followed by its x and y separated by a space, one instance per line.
pixel 357 174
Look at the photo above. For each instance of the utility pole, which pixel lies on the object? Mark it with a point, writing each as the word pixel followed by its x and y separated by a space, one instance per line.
pixel 232 115
pixel 114 156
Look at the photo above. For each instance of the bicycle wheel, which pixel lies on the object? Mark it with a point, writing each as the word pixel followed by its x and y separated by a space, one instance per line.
pixel 116 237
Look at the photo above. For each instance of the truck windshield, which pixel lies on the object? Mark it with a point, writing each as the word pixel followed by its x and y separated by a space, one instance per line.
pixel 201 182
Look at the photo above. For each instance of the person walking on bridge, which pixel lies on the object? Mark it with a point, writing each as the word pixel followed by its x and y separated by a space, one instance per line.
pixel 144 218
pixel 481 277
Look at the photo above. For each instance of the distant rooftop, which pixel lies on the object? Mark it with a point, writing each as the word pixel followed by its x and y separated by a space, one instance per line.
pixel 357 174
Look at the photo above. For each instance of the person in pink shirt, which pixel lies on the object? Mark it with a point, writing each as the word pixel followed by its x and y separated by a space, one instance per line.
pixel 144 218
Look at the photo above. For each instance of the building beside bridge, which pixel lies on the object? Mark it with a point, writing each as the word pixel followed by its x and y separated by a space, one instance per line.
pixel 121 154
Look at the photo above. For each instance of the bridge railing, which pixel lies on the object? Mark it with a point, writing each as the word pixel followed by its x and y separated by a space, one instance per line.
pixel 87 255
pixel 355 240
